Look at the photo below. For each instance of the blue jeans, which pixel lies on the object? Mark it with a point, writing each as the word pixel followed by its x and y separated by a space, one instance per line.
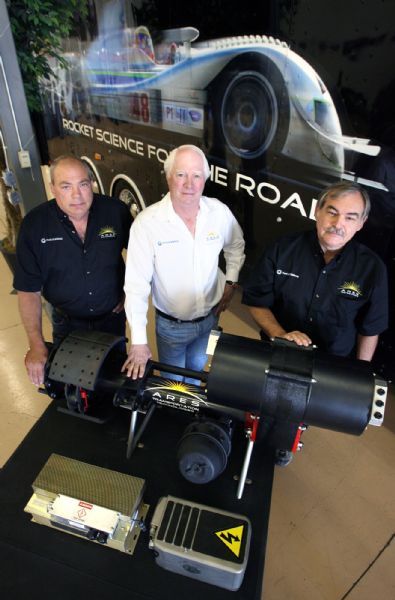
pixel 184 344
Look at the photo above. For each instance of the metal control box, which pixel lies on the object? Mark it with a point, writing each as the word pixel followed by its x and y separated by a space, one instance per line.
pixel 201 542
pixel 88 501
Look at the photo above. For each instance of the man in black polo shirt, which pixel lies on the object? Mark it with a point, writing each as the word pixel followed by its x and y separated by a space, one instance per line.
pixel 70 250
pixel 323 286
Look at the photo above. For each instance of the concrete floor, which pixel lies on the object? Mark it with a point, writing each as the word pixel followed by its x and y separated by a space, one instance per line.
pixel 332 523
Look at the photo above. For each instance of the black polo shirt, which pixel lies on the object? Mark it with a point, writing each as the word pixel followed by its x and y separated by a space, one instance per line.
pixel 84 279
pixel 330 303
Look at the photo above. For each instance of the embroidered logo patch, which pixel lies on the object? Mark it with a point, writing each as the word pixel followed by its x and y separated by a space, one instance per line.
pixel 351 289
pixel 163 242
pixel 211 236
pixel 107 232
pixel 281 272
pixel 54 239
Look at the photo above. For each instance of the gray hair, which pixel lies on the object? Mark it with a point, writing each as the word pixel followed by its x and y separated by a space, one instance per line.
pixel 169 162
pixel 341 189
pixel 68 158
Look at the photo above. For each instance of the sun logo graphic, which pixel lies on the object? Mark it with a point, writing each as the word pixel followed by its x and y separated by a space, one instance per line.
pixel 176 386
pixel 107 232
pixel 351 289
pixel 176 394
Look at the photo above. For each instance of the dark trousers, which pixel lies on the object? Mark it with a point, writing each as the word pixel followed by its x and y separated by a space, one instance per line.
pixel 63 324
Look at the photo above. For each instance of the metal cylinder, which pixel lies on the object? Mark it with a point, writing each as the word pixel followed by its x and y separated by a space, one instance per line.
pixel 291 383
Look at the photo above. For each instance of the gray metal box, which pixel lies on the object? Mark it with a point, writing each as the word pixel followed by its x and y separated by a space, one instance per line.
pixel 201 542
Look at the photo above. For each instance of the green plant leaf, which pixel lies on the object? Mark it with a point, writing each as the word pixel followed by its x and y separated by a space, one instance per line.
pixel 38 28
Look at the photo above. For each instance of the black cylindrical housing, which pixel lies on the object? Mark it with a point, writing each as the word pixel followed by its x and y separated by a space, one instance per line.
pixel 238 373
pixel 292 383
pixel 341 395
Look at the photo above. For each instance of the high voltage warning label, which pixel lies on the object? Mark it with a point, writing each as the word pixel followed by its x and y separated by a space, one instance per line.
pixel 232 538
pixel 201 542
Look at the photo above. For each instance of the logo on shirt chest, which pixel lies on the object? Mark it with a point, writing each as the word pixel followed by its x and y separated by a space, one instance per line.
pixel 163 242
pixel 54 239
pixel 281 272
pixel 212 236
pixel 107 232
pixel 350 289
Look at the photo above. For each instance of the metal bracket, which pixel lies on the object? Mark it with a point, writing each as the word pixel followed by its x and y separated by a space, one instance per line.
pixel 134 437
pixel 252 422
pixel 379 401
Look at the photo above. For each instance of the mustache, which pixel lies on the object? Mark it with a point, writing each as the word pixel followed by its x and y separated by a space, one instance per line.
pixel 335 230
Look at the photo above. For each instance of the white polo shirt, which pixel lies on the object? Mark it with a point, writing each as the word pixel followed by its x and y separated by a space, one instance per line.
pixel 181 270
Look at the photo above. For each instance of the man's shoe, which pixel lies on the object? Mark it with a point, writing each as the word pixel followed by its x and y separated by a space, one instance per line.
pixel 283 457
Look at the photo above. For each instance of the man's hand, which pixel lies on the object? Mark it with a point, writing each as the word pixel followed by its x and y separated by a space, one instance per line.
pixel 120 306
pixel 30 310
pixel 137 358
pixel 35 360
pixel 301 339
pixel 272 328
pixel 226 298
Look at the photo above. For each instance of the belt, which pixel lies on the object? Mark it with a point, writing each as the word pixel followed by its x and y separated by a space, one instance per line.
pixel 88 319
pixel 170 318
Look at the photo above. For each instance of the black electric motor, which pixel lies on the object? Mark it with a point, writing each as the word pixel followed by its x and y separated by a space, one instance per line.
pixel 250 381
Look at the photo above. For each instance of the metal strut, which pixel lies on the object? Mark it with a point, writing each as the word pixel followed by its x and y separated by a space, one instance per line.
pixel 252 422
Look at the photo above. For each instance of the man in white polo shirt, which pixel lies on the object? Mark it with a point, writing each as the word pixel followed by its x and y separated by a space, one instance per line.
pixel 174 251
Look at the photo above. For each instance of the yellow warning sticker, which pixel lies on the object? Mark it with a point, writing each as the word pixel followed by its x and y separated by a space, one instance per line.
pixel 232 538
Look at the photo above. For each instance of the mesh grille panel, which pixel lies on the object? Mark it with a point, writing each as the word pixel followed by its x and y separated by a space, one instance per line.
pixel 113 490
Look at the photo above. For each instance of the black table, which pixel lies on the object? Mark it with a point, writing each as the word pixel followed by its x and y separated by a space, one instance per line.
pixel 40 562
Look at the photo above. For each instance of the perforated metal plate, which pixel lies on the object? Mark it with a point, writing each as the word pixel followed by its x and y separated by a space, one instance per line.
pixel 80 356
pixel 110 489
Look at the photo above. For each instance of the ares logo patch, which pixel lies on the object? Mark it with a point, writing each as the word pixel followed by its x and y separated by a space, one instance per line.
pixel 232 538
pixel 107 232
pixel 212 236
pixel 351 289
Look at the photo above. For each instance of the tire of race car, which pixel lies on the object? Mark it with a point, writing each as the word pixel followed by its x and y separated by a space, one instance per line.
pixel 125 192
pixel 250 108
pixel 95 177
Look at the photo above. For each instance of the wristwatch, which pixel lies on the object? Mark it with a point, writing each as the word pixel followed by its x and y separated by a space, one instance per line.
pixel 232 283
